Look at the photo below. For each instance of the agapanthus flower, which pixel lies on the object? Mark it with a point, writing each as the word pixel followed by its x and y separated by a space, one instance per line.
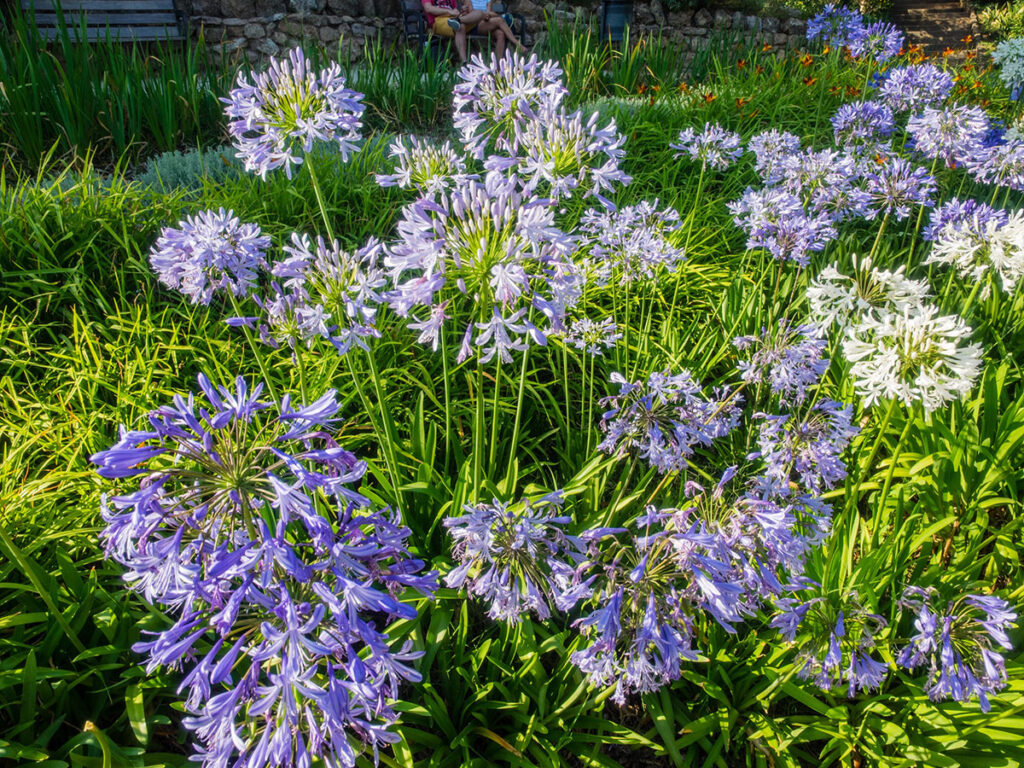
pixel 426 167
pixel 713 147
pixel 913 356
pixel 245 527
pixel 827 184
pixel 897 186
pixel 879 40
pixel 959 642
pixel 774 219
pixel 322 291
pixel 789 358
pixel 208 252
pixel 664 419
pixel 914 87
pixel 518 557
pixel 770 148
pixel 962 214
pixel 807 448
pixel 863 125
pixel 835 25
pixel 559 154
pixel 954 134
pixel 498 94
pixel 983 244
pixel 278 117
pixel 494 259
pixel 842 300
pixel 592 337
pixel 1000 164
pixel 630 243
pixel 836 636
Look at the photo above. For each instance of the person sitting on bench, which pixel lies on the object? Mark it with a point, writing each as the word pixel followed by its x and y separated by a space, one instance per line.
pixel 444 17
pixel 475 11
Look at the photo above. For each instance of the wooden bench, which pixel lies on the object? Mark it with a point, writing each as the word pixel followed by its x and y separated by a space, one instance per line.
pixel 122 20
pixel 414 25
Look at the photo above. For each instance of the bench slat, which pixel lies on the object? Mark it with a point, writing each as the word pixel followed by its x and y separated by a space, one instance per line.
pixel 112 6
pixel 124 34
pixel 100 19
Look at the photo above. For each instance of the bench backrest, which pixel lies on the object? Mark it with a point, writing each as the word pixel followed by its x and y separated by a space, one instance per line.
pixel 124 20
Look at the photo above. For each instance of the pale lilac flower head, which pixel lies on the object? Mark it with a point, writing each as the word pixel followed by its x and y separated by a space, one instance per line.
pixel 863 126
pixel 985 242
pixel 208 252
pixel 897 186
pixel 518 557
pixel 426 167
pixel 321 291
pixel 954 134
pixel 713 147
pixel 492 258
pixel 880 41
pixel 790 359
pixel 497 95
pixel 244 526
pixel 592 337
pixel 630 243
pixel 1000 164
pixel 557 154
pixel 914 87
pixel 279 116
pixel 836 25
pixel 959 642
pixel 774 219
pixel 836 636
pixel 664 419
pixel 770 149
pixel 958 215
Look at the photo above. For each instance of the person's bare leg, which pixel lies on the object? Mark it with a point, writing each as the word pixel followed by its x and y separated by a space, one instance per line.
pixel 492 26
pixel 460 43
pixel 509 34
pixel 470 18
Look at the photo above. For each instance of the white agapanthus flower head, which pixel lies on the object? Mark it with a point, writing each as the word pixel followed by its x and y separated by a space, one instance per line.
pixel 842 300
pixel 914 356
pixel 977 251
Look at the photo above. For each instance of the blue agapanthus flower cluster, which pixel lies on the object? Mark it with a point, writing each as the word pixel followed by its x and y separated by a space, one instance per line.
pixel 322 291
pixel 958 643
pixel 487 258
pixel 246 528
pixel 880 40
pixel 664 419
pixel 713 147
pixel 277 117
pixel 771 149
pixel 776 221
pixel 835 25
pixel 836 637
pixel 863 126
pixel 208 252
pixel 1000 164
pixel 789 358
pixel 898 186
pixel 962 215
pixel 914 87
pixel 954 135
pixel 632 243
pixel 518 557
pixel 592 336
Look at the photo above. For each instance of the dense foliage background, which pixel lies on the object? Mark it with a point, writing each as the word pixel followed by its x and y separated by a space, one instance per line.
pixel 90 341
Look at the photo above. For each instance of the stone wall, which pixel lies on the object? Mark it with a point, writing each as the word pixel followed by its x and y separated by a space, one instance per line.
pixel 268 27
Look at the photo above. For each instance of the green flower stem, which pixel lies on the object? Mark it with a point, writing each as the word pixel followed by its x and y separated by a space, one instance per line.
pixel 917 226
pixel 519 412
pixel 247 331
pixel 389 437
pixel 494 412
pixel 689 233
pixel 319 198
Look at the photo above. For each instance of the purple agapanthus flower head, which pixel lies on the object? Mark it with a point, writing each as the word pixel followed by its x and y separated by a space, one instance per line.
pixel 664 419
pixel 518 557
pixel 789 358
pixel 962 215
pixel 592 337
pixel 879 40
pixel 955 134
pixel 836 636
pixel 208 252
pixel 914 87
pixel 426 167
pixel 497 94
pixel 714 147
pixel 243 524
pixel 558 154
pixel 959 641
pixel 898 185
pixel 807 448
pixel 1000 164
pixel 631 243
pixel 485 259
pixel 774 219
pixel 835 25
pixel 322 291
pixel 278 117
pixel 863 125
pixel 770 149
